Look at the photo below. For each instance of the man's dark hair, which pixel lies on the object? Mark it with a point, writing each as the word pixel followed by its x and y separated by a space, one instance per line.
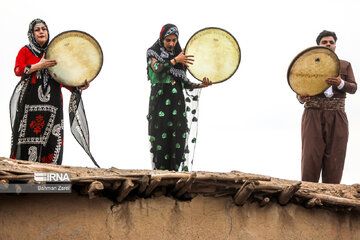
pixel 325 33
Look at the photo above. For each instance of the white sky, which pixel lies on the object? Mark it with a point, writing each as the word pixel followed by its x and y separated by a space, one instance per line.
pixel 250 123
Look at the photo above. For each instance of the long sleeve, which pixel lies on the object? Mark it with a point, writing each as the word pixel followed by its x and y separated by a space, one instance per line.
pixel 24 60
pixel 190 85
pixel 347 75
pixel 20 63
pixel 159 67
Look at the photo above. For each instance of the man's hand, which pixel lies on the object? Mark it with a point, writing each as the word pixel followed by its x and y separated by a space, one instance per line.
pixel 334 81
pixel 303 98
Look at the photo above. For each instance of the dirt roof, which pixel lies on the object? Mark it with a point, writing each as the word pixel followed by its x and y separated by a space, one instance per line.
pixel 123 185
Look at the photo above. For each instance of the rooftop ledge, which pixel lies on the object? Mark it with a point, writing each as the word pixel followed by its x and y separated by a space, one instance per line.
pixel 128 185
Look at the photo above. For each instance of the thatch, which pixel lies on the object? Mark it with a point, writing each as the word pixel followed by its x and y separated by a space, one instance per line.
pixel 124 185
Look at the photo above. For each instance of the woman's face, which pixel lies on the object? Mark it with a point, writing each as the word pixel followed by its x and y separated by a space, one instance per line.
pixel 41 33
pixel 170 42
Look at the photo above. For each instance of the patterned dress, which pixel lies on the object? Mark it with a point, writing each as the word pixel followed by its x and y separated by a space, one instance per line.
pixel 167 119
pixel 38 123
pixel 36 109
pixel 172 107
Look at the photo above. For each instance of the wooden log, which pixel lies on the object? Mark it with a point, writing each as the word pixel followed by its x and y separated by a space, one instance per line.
pixel 331 200
pixel 268 186
pixel 244 193
pixel 154 182
pixel 232 178
pixel 187 185
pixel 167 182
pixel 144 182
pixel 18 177
pixel 264 202
pixel 94 187
pixel 357 187
pixel 179 184
pixel 226 185
pixel 126 187
pixel 129 173
pixel 288 192
pixel 4 172
pixel 105 178
pixel 213 176
pixel 313 202
pixel 262 199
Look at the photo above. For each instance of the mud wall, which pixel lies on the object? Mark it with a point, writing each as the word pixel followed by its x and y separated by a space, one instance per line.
pixel 70 216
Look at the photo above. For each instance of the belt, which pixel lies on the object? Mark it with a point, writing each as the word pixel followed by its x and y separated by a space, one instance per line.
pixel 326 103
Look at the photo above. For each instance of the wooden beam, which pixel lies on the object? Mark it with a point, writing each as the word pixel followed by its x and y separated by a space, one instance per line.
pixel 126 187
pixel 187 185
pixel 179 184
pixel 154 182
pixel 244 193
pixel 18 177
pixel 144 182
pixel 264 202
pixel 94 187
pixel 332 200
pixel 288 192
pixel 314 202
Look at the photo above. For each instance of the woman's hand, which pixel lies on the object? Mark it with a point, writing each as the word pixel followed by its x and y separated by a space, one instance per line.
pixel 46 63
pixel 184 59
pixel 205 83
pixel 43 63
pixel 85 86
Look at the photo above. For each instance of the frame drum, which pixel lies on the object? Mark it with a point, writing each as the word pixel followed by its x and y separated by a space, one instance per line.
pixel 79 57
pixel 216 54
pixel 310 68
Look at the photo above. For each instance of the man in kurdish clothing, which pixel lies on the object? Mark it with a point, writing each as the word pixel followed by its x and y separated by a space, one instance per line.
pixel 324 127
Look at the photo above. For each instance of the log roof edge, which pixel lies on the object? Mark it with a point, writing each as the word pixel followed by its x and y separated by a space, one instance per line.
pixel 242 187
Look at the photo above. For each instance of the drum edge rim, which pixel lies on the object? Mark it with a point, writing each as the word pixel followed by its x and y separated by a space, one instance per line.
pixel 102 53
pixel 302 53
pixel 236 44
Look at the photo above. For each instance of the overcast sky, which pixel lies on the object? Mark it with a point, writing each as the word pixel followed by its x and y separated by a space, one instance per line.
pixel 249 123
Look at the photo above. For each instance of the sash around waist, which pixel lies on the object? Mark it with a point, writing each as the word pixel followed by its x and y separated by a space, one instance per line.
pixel 326 103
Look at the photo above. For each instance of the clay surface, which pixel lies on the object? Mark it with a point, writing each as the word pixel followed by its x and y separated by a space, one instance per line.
pixel 71 216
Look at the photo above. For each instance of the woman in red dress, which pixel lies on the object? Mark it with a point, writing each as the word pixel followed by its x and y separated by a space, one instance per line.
pixel 36 107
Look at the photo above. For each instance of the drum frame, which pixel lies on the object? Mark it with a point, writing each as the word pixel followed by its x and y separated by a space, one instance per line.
pixel 78 31
pixel 302 53
pixel 235 42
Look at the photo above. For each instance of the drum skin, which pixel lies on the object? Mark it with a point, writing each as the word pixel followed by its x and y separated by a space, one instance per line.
pixel 310 68
pixel 78 55
pixel 216 54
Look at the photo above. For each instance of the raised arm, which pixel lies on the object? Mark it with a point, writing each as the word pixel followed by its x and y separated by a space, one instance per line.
pixel 22 67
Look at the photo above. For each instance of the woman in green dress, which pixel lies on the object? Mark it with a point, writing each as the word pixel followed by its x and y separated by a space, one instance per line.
pixel 173 103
